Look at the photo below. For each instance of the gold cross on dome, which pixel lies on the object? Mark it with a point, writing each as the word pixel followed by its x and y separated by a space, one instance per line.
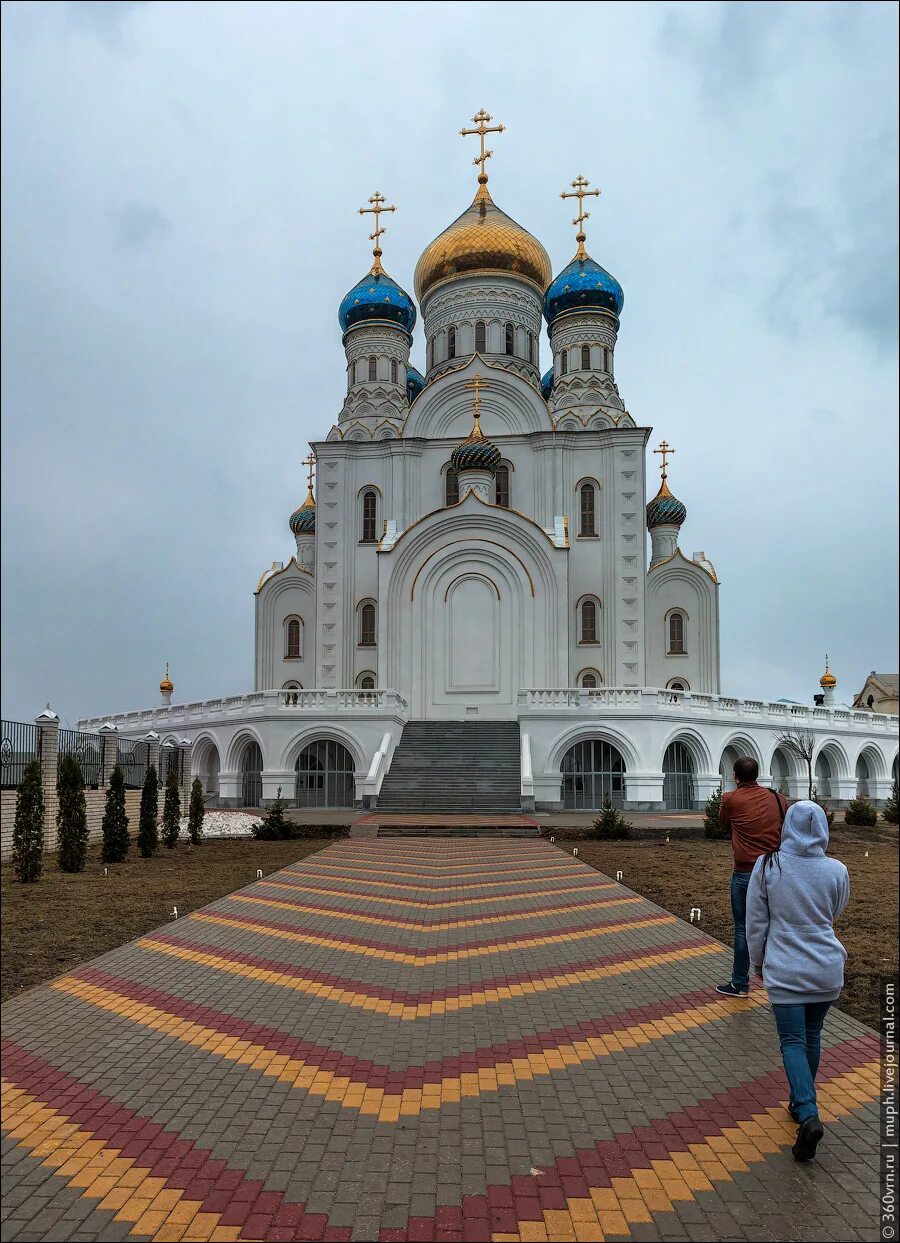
pixel 311 463
pixel 665 451
pixel 580 192
pixel 481 119
pixel 377 200
pixel 477 384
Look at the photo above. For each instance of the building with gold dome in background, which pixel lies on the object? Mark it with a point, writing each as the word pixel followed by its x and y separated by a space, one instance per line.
pixel 470 619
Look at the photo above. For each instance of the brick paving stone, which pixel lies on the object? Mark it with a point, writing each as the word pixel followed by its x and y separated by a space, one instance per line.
pixel 422 1039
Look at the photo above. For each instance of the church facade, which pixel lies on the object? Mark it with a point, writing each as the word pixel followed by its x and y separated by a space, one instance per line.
pixel 475 549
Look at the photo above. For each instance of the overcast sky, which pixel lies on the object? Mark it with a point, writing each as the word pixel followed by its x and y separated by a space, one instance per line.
pixel 180 185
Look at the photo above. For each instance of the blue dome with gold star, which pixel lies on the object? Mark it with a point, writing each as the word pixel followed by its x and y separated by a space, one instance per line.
pixel 303 520
pixel 547 384
pixel 665 509
pixel 475 453
pixel 377 296
pixel 583 284
pixel 415 382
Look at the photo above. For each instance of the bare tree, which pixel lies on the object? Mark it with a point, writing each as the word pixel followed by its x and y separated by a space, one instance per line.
pixel 801 743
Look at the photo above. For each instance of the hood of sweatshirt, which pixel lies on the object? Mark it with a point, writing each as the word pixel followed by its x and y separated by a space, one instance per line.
pixel 805 830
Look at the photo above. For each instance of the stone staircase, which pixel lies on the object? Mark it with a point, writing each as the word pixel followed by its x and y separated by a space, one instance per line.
pixel 453 768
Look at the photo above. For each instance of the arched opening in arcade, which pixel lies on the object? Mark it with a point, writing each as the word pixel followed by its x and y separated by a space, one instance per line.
pixel 780 772
pixel 592 770
pixel 206 767
pixel 251 774
pixel 324 775
pixel 823 776
pixel 734 751
pixel 863 778
pixel 678 777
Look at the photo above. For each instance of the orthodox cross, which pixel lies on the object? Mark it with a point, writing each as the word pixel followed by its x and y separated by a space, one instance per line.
pixel 477 384
pixel 311 463
pixel 481 119
pixel 665 452
pixel 377 199
pixel 580 192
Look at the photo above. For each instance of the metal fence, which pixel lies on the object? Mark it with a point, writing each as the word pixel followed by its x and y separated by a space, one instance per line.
pixel 133 757
pixel 171 759
pixel 20 744
pixel 87 750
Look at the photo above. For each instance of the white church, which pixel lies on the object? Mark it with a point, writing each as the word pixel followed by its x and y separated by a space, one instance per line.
pixel 474 616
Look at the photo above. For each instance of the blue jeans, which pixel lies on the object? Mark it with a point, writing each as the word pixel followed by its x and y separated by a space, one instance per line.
pixel 740 972
pixel 800 1033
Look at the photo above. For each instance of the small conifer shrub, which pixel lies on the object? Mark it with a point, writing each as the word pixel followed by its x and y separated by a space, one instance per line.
pixel 148 836
pixel 71 816
pixel 275 826
pixel 860 811
pixel 711 825
pixel 611 825
pixel 891 809
pixel 115 820
pixel 28 831
pixel 171 819
pixel 196 812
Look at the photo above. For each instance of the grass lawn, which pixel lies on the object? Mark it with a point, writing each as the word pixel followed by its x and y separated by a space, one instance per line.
pixel 697 872
pixel 66 918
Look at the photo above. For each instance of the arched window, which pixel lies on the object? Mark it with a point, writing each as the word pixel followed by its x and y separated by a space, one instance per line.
pixel 588 617
pixel 502 478
pixel 366 682
pixel 480 337
pixel 451 487
pixel 563 362
pixel 587 511
pixel 531 347
pixel 367 624
pixel 373 368
pixel 509 343
pixel 604 354
pixel 589 679
pixel 291 694
pixel 676 634
pixel 293 639
pixel 678 684
pixel 451 342
pixel 369 508
pixel 350 370
pixel 394 371
pixel 585 358
pixel 431 353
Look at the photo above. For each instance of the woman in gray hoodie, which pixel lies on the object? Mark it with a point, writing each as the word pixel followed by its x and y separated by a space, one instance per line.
pixel 794 896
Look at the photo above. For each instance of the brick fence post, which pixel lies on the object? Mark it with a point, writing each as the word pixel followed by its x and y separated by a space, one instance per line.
pixel 47 739
pixel 109 743
pixel 186 750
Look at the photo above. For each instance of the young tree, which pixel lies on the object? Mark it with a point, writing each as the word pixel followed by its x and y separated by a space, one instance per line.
pixel 148 838
pixel 711 826
pixel 115 821
pixel 196 812
pixel 28 831
pixel 171 820
pixel 611 825
pixel 275 826
pixel 891 809
pixel 802 743
pixel 71 816
pixel 860 812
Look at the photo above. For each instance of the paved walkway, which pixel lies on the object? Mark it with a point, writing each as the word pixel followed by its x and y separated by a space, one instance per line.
pixel 422 1040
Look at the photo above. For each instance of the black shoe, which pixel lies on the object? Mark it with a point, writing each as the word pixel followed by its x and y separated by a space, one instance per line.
pixel 728 990
pixel 809 1134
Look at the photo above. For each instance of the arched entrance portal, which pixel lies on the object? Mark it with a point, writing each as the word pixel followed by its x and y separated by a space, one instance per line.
pixel 591 770
pixel 324 775
pixel 678 778
pixel 780 771
pixel 207 769
pixel 863 777
pixel 251 775
pixel 822 787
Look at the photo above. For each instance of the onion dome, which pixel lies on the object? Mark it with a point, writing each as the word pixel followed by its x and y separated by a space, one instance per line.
pixel 303 520
pixel 665 509
pixel 166 685
pixel 475 453
pixel 827 681
pixel 415 382
pixel 583 284
pixel 483 239
pixel 547 384
pixel 377 296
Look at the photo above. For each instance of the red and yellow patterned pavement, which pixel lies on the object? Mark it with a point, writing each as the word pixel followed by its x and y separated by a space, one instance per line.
pixel 423 1040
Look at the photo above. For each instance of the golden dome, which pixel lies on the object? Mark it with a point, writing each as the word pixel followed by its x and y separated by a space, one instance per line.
pixel 166 684
pixel 828 679
pixel 483 239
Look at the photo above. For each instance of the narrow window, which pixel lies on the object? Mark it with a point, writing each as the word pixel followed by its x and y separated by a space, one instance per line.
pixel 503 486
pixel 589 681
pixel 585 358
pixel 563 362
pixel 451 342
pixel 369 504
pixel 588 510
pixel 431 353
pixel 451 493
pixel 676 634
pixel 394 371
pixel 531 347
pixel 367 682
pixel 480 337
pixel 367 625
pixel 510 339
pixel 292 651
pixel 350 371
pixel 605 359
pixel 589 622
pixel 373 368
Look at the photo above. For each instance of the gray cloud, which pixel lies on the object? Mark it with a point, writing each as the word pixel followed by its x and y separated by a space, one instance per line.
pixel 136 224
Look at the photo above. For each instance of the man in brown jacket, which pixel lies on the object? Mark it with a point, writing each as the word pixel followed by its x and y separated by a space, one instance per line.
pixel 754 814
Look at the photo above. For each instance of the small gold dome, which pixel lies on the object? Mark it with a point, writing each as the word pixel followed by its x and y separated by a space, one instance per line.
pixel 828 679
pixel 483 239
pixel 166 684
